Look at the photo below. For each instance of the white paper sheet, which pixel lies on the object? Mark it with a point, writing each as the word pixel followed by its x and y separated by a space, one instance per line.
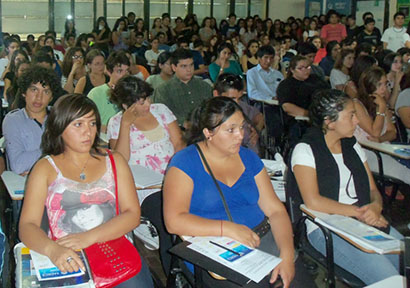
pixel 252 263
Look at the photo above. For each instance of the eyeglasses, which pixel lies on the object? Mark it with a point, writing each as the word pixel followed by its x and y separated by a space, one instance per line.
pixel 76 57
pixel 347 187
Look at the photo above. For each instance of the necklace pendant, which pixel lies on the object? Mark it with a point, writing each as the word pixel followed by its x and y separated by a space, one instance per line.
pixel 82 176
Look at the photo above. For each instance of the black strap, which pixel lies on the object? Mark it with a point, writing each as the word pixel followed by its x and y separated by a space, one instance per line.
pixel 215 181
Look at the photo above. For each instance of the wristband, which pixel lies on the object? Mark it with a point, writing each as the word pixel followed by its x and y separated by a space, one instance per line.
pixel 381 114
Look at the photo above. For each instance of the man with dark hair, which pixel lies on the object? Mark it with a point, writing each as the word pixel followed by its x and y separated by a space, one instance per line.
pixel 231 86
pixel 309 51
pixel 351 28
pixel 139 49
pixel 393 37
pixel 369 34
pixel 263 80
pixel 24 127
pixel 117 66
pixel 199 64
pixel 183 92
pixel 367 15
pixel 43 59
pixel 131 20
pixel 231 27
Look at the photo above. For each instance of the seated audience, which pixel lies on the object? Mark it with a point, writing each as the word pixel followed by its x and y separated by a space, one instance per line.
pixel 117 66
pixel 332 51
pixel 11 92
pixel 222 64
pixel 340 73
pixel 164 71
pixel 232 86
pixel 183 92
pixel 402 107
pixel 262 80
pixel 136 70
pixel 23 127
pixel 193 205
pixel 310 51
pixel 95 76
pixel 73 69
pixel 250 58
pixel 392 65
pixel 145 134
pixel 333 31
pixel 74 184
pixel 361 64
pixel 10 71
pixel 375 122
pixel 333 176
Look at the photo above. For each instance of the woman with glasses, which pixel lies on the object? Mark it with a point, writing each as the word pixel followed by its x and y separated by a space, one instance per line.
pixel 73 68
pixel 148 135
pixel 95 76
pixel 334 177
pixel 295 94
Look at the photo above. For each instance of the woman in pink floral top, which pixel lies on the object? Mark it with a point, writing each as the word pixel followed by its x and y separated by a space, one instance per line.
pixel 145 134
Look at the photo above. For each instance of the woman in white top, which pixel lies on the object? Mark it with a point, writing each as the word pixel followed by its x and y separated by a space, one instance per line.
pixel 375 122
pixel 312 31
pixel 333 177
pixel 339 75
pixel 152 55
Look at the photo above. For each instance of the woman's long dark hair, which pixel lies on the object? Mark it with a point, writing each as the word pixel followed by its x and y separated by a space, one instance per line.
pixel 367 86
pixel 67 109
pixel 210 114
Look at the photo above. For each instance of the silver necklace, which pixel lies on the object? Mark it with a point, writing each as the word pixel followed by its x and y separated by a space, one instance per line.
pixel 82 174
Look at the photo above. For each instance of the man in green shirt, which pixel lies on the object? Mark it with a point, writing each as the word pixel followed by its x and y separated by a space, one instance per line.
pixel 117 66
pixel 183 92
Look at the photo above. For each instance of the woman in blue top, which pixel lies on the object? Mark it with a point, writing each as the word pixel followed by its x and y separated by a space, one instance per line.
pixel 193 205
pixel 223 64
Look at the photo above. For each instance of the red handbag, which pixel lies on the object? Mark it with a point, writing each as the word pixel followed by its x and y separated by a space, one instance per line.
pixel 115 261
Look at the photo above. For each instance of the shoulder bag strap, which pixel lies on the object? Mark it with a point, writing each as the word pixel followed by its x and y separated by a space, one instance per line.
pixel 215 181
pixel 114 171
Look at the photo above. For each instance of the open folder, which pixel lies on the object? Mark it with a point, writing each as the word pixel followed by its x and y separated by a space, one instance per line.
pixel 358 232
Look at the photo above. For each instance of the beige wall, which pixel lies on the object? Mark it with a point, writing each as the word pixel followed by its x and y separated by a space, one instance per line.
pixel 282 9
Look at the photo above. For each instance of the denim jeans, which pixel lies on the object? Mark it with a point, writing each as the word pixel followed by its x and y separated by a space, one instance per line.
pixel 368 267
pixel 142 279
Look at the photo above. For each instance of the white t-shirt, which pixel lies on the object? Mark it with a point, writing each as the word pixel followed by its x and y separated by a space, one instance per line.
pixel 394 38
pixel 406 37
pixel 303 155
pixel 337 77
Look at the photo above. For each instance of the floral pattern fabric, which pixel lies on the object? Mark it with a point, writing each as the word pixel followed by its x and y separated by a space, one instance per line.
pixel 153 155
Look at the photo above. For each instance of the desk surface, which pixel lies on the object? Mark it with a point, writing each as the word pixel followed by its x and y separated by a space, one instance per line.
pixel 267 101
pixel 397 281
pixel 386 148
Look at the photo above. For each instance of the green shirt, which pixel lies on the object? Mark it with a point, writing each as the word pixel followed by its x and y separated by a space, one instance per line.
pixel 233 68
pixel 182 98
pixel 101 97
pixel 155 81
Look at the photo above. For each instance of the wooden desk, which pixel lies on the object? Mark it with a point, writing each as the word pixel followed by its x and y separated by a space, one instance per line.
pixel 386 148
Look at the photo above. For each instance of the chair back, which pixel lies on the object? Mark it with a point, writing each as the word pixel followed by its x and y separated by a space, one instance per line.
pixel 293 196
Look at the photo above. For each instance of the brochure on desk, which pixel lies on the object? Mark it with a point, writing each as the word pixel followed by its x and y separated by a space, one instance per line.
pixel 366 236
pixel 27 276
pixel 250 262
pixel 14 183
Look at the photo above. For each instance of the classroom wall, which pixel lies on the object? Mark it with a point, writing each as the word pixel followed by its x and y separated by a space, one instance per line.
pixel 282 9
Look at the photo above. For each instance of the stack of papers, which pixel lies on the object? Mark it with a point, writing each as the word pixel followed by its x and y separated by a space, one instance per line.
pixel 364 235
pixel 144 177
pixel 14 183
pixel 250 262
